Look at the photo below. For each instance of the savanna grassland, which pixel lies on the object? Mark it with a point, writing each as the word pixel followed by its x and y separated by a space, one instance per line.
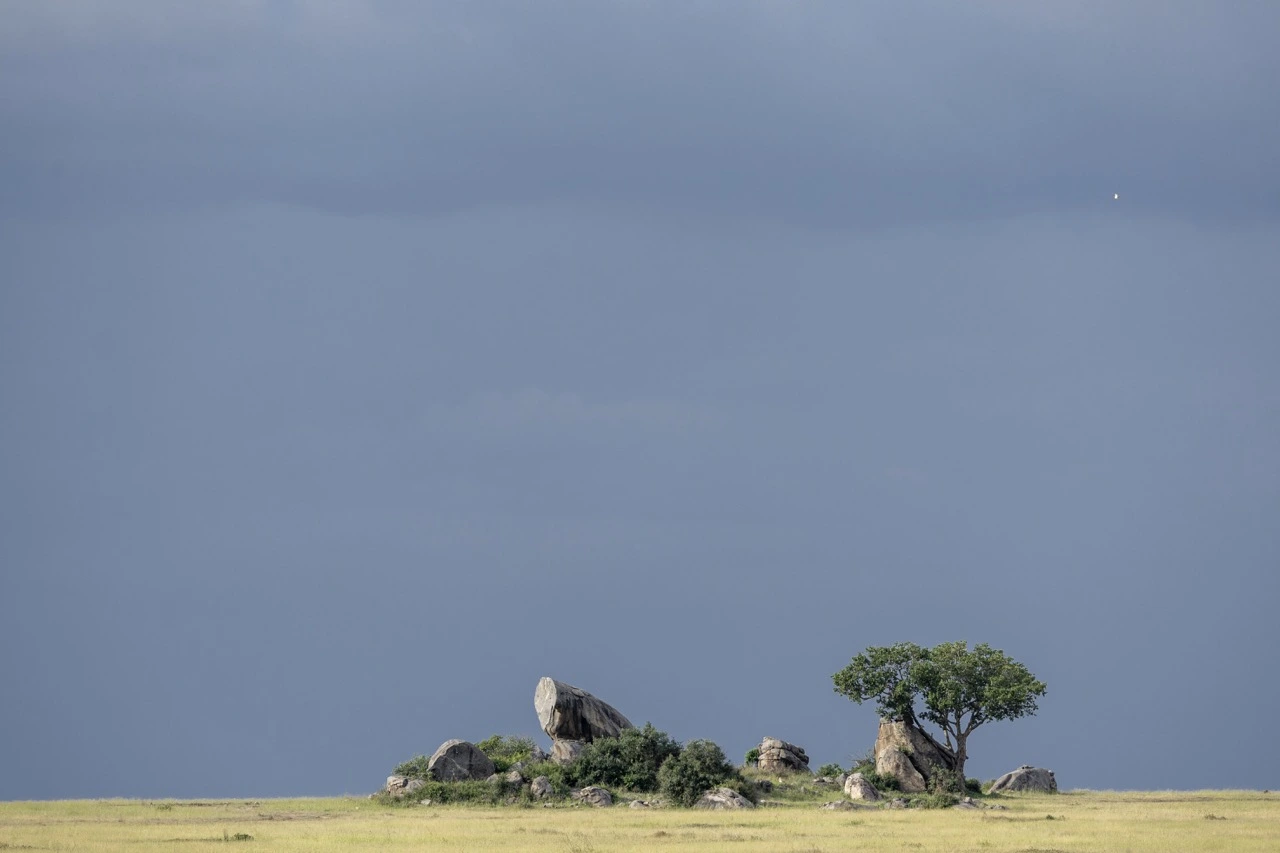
pixel 1074 821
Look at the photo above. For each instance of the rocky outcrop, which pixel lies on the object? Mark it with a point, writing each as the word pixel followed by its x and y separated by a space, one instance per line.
pixel 723 799
pixel 910 755
pixel 1027 778
pixel 593 795
pixel 858 788
pixel 778 755
pixel 572 717
pixel 459 761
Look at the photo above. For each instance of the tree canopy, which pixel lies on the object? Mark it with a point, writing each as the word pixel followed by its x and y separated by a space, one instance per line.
pixel 950 685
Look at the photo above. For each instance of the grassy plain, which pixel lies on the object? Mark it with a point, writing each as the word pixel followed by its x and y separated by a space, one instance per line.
pixel 1073 821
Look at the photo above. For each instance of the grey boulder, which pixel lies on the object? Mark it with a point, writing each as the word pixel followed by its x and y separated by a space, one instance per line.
pixel 723 799
pixel 541 787
pixel 1027 778
pixel 459 761
pixel 593 795
pixel 568 713
pixel 778 755
pixel 858 788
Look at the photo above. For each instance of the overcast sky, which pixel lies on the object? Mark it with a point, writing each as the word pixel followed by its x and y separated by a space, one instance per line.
pixel 362 362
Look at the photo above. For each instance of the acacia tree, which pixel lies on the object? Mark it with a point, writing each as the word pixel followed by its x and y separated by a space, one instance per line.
pixel 950 685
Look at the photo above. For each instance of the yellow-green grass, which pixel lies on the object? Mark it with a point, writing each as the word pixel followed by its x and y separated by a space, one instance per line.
pixel 1081 821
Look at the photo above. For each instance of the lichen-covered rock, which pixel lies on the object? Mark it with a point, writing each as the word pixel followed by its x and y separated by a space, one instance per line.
pixel 568 713
pixel 459 761
pixel 723 799
pixel 593 795
pixel 1027 778
pixel 778 755
pixel 858 788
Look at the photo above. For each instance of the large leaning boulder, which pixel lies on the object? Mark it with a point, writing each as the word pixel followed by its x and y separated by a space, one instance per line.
pixel 459 761
pixel 572 717
pixel 778 755
pixel 1027 778
pixel 909 754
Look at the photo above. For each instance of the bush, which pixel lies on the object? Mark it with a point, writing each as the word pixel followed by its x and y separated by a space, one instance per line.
pixel 932 801
pixel 505 750
pixel 630 760
pixel 701 766
pixel 414 768
pixel 832 770
pixel 752 758
pixel 973 786
pixel 945 782
pixel 476 793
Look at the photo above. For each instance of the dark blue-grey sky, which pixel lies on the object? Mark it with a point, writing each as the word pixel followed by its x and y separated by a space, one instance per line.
pixel 361 363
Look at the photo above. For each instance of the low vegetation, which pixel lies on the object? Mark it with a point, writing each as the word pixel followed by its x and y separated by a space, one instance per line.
pixel 1081 821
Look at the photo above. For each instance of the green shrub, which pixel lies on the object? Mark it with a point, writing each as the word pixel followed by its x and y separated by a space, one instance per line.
pixel 701 766
pixel 932 801
pixel 752 758
pixel 945 782
pixel 414 768
pixel 505 750
pixel 881 782
pixel 748 788
pixel 564 777
pixel 630 760
pixel 831 770
pixel 477 793
pixel 973 786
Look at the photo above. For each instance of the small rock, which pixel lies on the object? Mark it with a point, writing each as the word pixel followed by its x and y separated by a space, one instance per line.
pixel 514 775
pixel 856 787
pixel 841 779
pixel 493 778
pixel 720 799
pixel 963 804
pixel 541 787
pixel 593 795
pixel 425 802
pixel 897 803
pixel 637 804
pixel 841 806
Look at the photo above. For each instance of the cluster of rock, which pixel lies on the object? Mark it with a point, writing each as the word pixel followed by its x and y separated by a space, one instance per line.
pixel 780 756
pixel 573 718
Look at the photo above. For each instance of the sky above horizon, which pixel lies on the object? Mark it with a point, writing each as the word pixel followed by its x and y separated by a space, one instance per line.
pixel 363 362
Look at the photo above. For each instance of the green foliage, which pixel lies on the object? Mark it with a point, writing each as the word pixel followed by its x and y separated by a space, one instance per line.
pixel 630 760
pixel 752 758
pixel 945 782
pixel 973 786
pixel 831 770
pixel 880 782
pixel 564 777
pixel 476 793
pixel 701 766
pixel 414 768
pixel 744 786
pixel 932 800
pixel 506 750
